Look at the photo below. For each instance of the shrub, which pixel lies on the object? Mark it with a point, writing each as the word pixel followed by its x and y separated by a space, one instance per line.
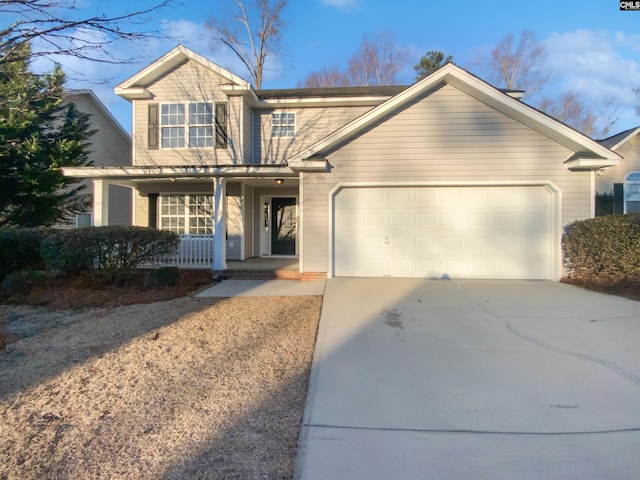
pixel 20 249
pixel 162 277
pixel 21 281
pixel 605 247
pixel 107 250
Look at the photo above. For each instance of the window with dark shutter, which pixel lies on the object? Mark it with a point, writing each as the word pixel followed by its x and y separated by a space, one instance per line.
pixel 221 125
pixel 153 126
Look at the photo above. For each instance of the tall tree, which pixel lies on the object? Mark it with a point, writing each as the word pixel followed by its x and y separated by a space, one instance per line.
pixel 39 134
pixel 253 34
pixel 519 65
pixel 431 62
pixel 62 27
pixel 377 62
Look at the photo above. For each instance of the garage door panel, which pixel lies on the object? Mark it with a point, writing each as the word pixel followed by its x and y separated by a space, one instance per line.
pixel 464 232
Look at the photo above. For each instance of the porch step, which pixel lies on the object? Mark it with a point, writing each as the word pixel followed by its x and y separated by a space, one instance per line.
pixel 261 274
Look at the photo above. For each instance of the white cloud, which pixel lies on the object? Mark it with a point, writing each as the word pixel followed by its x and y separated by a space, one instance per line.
pixel 343 5
pixel 592 65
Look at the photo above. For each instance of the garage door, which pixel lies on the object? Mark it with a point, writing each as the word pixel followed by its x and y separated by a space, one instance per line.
pixel 444 232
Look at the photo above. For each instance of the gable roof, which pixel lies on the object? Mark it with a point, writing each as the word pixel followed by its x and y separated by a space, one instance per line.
pixel 616 141
pixel 135 87
pixel 588 154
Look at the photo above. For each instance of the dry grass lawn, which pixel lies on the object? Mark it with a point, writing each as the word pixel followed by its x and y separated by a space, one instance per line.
pixel 180 389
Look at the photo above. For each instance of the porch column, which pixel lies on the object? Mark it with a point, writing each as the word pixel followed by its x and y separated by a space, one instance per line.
pixel 100 203
pixel 219 224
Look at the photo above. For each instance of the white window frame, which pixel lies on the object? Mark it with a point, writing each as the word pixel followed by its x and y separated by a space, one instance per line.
pixel 178 121
pixel 189 213
pixel 631 190
pixel 286 128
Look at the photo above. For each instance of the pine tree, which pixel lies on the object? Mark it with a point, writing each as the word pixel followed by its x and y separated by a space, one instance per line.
pixel 39 134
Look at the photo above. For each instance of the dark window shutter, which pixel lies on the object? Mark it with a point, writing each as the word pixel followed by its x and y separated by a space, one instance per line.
pixel 153 210
pixel 221 125
pixel 153 126
pixel 618 198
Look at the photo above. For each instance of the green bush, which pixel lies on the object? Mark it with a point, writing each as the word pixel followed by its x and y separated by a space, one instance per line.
pixel 604 247
pixel 162 277
pixel 21 281
pixel 106 250
pixel 20 249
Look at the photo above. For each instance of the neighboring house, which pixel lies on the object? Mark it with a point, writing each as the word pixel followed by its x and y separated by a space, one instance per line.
pixel 623 182
pixel 110 145
pixel 449 177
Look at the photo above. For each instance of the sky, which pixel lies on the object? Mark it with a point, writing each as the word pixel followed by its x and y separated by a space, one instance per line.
pixel 593 48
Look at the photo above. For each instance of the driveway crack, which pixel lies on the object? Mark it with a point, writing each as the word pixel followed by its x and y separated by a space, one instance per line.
pixel 590 358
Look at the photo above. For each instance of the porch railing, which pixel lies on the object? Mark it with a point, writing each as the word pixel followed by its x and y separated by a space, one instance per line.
pixel 194 251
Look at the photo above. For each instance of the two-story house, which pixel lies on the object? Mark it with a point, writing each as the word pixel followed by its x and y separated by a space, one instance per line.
pixel 449 177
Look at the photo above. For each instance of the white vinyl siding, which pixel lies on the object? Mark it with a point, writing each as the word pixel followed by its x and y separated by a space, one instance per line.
pixel 444 137
pixel 312 124
pixel 630 162
pixel 188 83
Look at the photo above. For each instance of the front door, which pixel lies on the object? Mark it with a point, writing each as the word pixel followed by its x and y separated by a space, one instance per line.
pixel 283 226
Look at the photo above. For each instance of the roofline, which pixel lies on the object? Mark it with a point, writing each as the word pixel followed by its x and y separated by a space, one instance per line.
pixel 625 137
pixel 169 61
pixel 102 106
pixel 467 82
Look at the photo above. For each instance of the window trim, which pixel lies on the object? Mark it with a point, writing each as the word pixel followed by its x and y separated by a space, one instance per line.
pixel 279 124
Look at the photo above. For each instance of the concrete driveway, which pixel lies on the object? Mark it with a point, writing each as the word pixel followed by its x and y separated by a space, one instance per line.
pixel 444 379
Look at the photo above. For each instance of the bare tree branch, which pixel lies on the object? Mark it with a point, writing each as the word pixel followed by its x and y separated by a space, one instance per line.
pixel 326 78
pixel 59 28
pixel 253 39
pixel 377 62
pixel 519 66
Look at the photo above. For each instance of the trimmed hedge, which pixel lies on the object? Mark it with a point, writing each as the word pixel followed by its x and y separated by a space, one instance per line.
pixel 109 250
pixel 604 247
pixel 20 249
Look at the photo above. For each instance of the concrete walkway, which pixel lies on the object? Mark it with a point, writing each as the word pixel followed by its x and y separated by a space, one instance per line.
pixel 420 379
pixel 264 288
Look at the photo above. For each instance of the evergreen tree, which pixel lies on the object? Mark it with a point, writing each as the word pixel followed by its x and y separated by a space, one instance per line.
pixel 39 134
pixel 431 62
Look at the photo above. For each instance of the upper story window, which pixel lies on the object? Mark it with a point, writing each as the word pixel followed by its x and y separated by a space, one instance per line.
pixel 283 124
pixel 186 125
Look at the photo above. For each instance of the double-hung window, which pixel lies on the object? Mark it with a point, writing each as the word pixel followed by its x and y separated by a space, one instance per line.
pixel 283 124
pixel 186 125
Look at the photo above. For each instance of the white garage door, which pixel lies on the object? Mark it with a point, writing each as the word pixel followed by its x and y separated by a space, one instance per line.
pixel 444 232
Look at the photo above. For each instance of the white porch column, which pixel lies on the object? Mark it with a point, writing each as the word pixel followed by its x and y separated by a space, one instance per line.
pixel 219 223
pixel 100 203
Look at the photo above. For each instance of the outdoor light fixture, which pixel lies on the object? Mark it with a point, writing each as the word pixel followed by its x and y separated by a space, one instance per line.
pixel 279 181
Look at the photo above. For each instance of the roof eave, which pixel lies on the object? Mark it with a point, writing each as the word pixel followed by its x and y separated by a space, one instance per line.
pixel 578 163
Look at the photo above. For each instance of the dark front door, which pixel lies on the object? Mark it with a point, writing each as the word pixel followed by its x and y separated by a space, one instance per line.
pixel 283 226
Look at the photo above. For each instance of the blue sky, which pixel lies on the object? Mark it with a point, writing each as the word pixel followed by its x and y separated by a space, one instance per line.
pixel 593 48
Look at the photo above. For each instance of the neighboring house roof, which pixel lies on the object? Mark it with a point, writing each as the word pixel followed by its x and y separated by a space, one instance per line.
pixel 101 107
pixel 589 154
pixel 616 141
pixel 134 87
